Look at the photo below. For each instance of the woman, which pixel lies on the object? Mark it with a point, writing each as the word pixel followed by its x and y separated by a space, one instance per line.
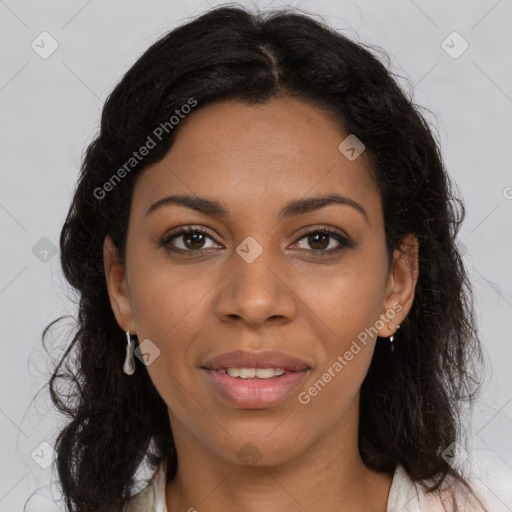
pixel 273 313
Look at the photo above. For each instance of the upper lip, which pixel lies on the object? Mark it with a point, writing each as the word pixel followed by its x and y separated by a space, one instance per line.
pixel 267 359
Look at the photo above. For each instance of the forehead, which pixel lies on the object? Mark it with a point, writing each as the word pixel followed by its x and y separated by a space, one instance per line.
pixel 258 156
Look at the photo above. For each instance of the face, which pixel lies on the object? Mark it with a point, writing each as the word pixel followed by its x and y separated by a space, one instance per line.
pixel 263 269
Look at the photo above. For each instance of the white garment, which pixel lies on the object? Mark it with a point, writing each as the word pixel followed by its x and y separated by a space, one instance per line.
pixel 404 496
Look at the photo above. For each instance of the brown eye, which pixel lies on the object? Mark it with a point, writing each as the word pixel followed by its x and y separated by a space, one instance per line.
pixel 194 240
pixel 187 239
pixel 324 241
pixel 319 241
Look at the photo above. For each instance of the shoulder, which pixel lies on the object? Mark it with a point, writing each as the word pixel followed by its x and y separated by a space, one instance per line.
pixel 406 495
pixel 152 497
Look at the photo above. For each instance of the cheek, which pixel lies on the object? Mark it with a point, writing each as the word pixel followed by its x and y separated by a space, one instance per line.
pixel 168 305
pixel 334 389
pixel 347 297
pixel 350 309
pixel 167 299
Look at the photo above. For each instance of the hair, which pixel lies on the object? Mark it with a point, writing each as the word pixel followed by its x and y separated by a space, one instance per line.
pixel 411 399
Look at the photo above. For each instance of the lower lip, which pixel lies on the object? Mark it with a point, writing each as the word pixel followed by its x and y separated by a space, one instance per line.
pixel 254 393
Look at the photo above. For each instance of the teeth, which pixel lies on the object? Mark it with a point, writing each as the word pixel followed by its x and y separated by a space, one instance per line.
pixel 249 373
pixel 246 373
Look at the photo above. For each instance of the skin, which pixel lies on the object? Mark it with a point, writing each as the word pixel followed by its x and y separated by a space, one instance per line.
pixel 255 159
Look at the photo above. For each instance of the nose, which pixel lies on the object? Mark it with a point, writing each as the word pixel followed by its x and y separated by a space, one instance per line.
pixel 256 291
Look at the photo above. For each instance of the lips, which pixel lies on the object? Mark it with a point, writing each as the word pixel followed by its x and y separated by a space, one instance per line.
pixel 244 359
pixel 255 393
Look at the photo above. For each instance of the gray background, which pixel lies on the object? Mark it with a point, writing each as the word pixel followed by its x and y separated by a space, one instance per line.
pixel 50 112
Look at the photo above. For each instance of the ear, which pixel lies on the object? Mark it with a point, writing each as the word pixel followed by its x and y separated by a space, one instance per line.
pixel 401 284
pixel 117 286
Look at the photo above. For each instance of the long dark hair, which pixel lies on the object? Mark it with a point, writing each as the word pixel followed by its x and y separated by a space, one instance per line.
pixel 410 400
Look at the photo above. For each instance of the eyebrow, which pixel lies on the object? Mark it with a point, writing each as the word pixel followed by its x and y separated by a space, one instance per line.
pixel 214 208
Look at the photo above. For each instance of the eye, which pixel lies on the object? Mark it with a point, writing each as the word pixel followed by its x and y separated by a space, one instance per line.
pixel 192 239
pixel 323 241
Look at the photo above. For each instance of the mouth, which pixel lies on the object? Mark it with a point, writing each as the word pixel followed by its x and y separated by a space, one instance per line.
pixel 253 380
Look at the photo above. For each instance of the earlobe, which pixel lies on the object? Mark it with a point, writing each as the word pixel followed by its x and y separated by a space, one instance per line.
pixel 118 293
pixel 401 283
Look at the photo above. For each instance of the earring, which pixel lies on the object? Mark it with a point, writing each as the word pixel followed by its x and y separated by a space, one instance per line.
pixel 392 339
pixel 129 362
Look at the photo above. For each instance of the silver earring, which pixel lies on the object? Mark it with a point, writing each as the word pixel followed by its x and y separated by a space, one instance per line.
pixel 129 362
pixel 392 338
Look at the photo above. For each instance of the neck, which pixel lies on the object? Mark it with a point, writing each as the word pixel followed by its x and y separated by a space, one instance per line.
pixel 329 476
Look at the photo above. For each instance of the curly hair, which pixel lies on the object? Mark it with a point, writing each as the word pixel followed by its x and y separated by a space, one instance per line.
pixel 411 399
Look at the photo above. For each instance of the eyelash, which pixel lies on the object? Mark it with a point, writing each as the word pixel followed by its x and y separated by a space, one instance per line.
pixel 343 241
